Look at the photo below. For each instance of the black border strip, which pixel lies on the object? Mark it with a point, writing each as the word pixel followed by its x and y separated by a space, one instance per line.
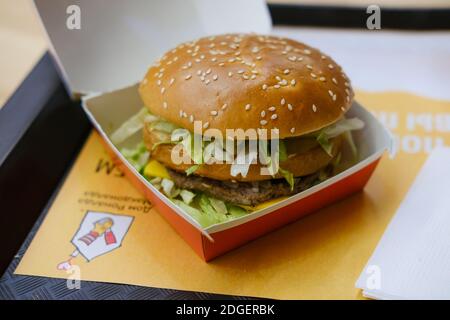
pixel 354 17
pixel 41 131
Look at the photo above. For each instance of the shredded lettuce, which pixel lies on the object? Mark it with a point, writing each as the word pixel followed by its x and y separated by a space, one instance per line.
pixel 192 169
pixel 283 152
pixel 243 160
pixel 288 176
pixel 325 143
pixel 163 126
pixel 203 219
pixel 167 186
pixel 235 211
pixel 343 126
pixel 187 141
pixel 218 205
pixel 349 138
pixel 138 156
pixel 187 196
pixel 131 126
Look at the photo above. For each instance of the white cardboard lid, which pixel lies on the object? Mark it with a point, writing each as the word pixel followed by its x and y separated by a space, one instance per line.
pixel 119 39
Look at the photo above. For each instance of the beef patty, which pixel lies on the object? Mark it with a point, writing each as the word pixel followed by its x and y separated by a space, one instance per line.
pixel 245 193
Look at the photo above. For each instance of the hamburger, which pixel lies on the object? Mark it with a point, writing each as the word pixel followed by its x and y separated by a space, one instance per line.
pixel 206 102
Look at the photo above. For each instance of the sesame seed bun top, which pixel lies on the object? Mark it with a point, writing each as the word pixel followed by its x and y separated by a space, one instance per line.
pixel 247 81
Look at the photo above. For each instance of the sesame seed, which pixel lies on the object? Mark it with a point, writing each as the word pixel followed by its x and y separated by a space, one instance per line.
pixel 160 75
pixel 330 93
pixel 292 130
pixel 199 72
pixel 165 105
pixel 198 60
pixel 286 71
pixel 145 81
pixel 293 82
pixel 283 101
pixel 323 57
pixel 231 60
pixel 263 114
pixel 347 84
pixel 348 98
pixel 202 78
pixel 158 83
pixel 313 75
pixel 343 109
pixel 255 50
pixel 283 52
pixel 253 76
pixel 237 53
pixel 245 77
pixel 241 71
pixel 277 86
pixel 215 77
pixel 208 71
pixel 306 51
pixel 191 118
pixel 309 66
pixel 278 78
pixel 272 109
pixel 214 59
pixel 214 113
pixel 334 80
pixel 202 56
pixel 274 117
pixel 171 81
pixel 290 107
pixel 314 108
pixel 224 106
pixel 181 113
pixel 330 66
pixel 300 59
pixel 221 64
pixel 207 81
pixel 264 86
pixel 334 97
pixel 322 79
pixel 189 64
pixel 263 122
pixel 258 58
pixel 247 107
pixel 292 58
pixel 230 74
pixel 254 71
pixel 188 77
pixel 283 82
pixel 163 90
pixel 184 115
pixel 205 125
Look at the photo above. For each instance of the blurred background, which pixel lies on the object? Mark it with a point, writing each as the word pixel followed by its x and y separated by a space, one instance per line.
pixel 23 42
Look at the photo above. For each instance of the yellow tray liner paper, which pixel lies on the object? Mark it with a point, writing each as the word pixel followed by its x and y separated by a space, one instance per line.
pixel 318 257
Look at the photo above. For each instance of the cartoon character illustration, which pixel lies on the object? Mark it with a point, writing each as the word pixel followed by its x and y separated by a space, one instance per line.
pixel 98 234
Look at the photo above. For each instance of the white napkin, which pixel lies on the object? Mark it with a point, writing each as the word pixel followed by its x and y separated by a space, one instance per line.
pixel 412 260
